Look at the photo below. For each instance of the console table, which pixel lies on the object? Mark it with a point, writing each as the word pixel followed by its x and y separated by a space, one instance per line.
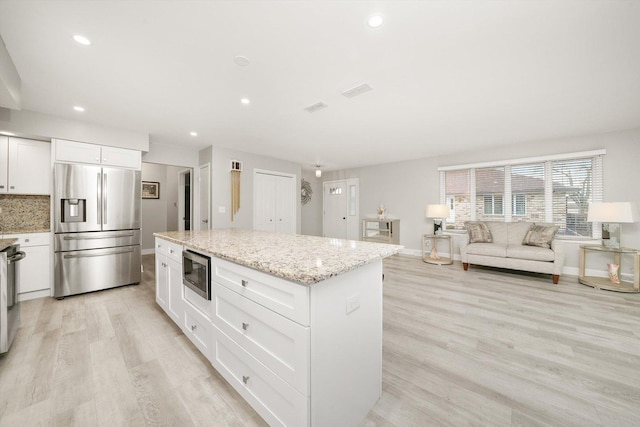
pixel 381 230
pixel 604 282
pixel 430 249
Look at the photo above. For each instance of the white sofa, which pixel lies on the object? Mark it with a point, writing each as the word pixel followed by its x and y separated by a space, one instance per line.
pixel 507 251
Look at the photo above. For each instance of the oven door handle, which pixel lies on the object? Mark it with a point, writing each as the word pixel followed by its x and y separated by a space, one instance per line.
pixel 95 255
pixel 17 257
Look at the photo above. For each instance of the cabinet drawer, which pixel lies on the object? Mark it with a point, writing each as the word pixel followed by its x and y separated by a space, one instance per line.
pixel 31 239
pixel 162 247
pixel 170 249
pixel 198 328
pixel 276 401
pixel 174 251
pixel 284 297
pixel 277 342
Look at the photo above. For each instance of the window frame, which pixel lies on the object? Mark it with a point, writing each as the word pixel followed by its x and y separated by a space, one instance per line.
pixel 597 190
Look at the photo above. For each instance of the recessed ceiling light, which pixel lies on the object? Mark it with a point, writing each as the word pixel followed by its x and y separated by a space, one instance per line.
pixel 375 21
pixel 7 133
pixel 193 133
pixel 82 40
pixel 240 60
pixel 245 101
pixel 78 108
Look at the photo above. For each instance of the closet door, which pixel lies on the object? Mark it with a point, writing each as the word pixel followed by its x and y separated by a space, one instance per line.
pixel 285 204
pixel 265 195
pixel 274 202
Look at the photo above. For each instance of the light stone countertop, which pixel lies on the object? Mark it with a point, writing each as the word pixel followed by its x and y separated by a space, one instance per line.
pixel 5 243
pixel 26 231
pixel 302 259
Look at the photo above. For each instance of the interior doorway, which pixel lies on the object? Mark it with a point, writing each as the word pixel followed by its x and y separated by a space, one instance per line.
pixel 205 196
pixel 185 207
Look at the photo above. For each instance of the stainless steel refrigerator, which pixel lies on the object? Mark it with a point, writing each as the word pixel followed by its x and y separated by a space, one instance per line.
pixel 97 228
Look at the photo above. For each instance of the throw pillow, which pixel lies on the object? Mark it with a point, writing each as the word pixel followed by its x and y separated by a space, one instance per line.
pixel 478 232
pixel 540 235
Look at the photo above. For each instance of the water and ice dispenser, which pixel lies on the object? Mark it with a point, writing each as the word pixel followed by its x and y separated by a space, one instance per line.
pixel 74 210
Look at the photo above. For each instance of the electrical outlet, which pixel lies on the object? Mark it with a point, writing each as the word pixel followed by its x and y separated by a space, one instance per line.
pixel 222 209
pixel 353 303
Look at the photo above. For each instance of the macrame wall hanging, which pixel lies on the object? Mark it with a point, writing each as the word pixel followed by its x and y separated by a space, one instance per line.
pixel 236 169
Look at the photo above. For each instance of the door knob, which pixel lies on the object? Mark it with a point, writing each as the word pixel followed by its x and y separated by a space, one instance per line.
pixel 205 221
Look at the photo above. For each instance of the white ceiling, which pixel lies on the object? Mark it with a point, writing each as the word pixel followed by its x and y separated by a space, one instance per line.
pixel 447 76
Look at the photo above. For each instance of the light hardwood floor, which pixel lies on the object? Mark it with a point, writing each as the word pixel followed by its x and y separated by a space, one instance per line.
pixel 483 347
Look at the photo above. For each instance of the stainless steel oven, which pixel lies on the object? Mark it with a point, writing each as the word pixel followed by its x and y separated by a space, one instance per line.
pixel 9 307
pixel 196 273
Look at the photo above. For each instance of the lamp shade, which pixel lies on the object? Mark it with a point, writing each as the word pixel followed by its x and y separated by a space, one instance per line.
pixel 437 211
pixel 615 212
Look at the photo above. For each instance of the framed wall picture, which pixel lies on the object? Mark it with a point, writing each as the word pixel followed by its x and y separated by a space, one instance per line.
pixel 150 190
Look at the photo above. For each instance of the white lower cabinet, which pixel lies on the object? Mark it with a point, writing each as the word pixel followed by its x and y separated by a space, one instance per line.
pixel 299 355
pixel 197 327
pixel 169 287
pixel 34 271
pixel 274 399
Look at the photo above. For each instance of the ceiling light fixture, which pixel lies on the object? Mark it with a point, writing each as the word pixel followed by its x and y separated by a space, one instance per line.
pixel 240 60
pixel 82 40
pixel 5 133
pixel 79 108
pixel 245 101
pixel 375 21
pixel 318 171
pixel 193 133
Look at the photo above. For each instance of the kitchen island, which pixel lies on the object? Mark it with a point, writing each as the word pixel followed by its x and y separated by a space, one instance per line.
pixel 294 323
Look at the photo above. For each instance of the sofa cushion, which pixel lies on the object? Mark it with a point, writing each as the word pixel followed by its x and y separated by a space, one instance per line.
pixel 517 231
pixel 540 235
pixel 488 249
pixel 478 232
pixel 533 253
pixel 498 231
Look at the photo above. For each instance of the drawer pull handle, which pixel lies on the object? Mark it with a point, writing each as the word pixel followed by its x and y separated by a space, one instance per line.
pixel 194 327
pixel 245 379
pixel 245 326
pixel 245 283
pixel 170 251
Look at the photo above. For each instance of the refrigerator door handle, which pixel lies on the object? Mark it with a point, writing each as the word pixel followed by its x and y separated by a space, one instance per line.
pixel 104 199
pixel 111 236
pixel 98 207
pixel 96 255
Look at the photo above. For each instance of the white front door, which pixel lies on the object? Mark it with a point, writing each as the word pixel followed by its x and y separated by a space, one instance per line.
pixel 205 197
pixel 335 209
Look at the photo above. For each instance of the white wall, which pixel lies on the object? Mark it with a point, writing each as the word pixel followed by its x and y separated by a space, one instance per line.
pixel 43 126
pixel 221 185
pixel 171 155
pixel 407 187
pixel 311 213
pixel 153 211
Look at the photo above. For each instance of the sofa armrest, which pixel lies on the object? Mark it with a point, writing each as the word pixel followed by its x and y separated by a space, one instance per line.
pixel 557 246
pixel 464 241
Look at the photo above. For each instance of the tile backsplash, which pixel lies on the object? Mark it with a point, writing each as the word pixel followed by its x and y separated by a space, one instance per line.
pixel 24 213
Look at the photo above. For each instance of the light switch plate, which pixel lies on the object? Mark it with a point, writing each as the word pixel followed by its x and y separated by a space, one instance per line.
pixel 353 303
pixel 222 209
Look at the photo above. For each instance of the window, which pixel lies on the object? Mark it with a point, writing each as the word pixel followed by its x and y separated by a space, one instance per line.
pixel 493 205
pixel 518 204
pixel 552 189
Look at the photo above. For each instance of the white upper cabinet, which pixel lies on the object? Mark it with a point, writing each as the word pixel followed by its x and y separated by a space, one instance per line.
pixel 80 152
pixel 25 165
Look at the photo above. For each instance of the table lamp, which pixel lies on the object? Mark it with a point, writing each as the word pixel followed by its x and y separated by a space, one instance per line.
pixel 611 215
pixel 438 213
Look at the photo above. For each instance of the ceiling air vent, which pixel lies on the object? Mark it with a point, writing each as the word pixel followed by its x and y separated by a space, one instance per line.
pixel 358 90
pixel 315 107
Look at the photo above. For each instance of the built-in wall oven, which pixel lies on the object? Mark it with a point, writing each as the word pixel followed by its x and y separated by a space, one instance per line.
pixel 196 273
pixel 9 306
